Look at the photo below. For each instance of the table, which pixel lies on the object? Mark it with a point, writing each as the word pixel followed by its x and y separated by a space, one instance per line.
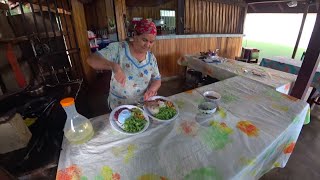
pixel 290 66
pixel 280 81
pixel 254 130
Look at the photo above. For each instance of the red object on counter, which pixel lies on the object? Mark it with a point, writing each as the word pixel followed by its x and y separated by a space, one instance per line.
pixel 15 66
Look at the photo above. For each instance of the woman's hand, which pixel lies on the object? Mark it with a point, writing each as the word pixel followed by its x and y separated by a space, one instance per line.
pixel 119 75
pixel 149 94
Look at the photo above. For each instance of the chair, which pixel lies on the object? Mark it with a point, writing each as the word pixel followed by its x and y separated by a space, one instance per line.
pixel 193 78
pixel 314 98
pixel 249 55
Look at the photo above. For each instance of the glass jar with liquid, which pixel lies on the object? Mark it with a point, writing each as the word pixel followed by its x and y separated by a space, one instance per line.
pixel 78 129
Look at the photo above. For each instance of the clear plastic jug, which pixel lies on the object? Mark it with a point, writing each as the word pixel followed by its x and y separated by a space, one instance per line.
pixel 78 128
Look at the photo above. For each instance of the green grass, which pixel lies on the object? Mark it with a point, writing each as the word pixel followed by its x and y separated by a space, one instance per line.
pixel 270 50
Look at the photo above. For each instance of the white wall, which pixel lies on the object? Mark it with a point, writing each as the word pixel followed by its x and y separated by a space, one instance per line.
pixel 278 28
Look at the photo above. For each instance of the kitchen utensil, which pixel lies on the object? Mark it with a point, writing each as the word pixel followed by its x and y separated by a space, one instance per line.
pixel 207 107
pixel 212 96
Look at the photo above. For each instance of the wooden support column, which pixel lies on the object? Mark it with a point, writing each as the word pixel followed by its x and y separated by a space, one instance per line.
pixel 310 63
pixel 300 31
pixel 120 12
pixel 180 18
pixel 80 26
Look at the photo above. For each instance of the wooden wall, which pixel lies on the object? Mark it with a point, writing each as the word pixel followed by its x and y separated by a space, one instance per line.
pixel 207 16
pixel 168 51
pixel 150 12
pixel 98 12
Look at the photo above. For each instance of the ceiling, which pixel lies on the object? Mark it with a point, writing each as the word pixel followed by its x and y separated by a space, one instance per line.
pixel 281 6
pixel 145 3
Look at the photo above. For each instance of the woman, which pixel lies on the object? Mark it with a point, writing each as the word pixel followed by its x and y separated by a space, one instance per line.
pixel 135 74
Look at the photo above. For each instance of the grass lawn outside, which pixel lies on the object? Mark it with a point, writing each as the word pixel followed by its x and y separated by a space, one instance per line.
pixel 270 49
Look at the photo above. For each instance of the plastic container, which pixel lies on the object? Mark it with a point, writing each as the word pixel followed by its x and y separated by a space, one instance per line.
pixel 78 128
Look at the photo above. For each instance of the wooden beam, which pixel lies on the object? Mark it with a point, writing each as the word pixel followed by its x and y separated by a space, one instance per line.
pixel 80 27
pixel 243 18
pixel 268 2
pixel 180 17
pixel 280 7
pixel 300 31
pixel 252 7
pixel 310 63
pixel 120 11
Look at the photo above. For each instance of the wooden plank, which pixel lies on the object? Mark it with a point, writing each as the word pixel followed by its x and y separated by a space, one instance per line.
pixel 224 26
pixel 217 19
pixel 228 15
pixel 238 19
pixel 195 9
pixel 211 17
pixel 82 37
pixel 120 9
pixel 310 63
pixel 207 19
pixel 200 19
pixel 233 19
pixel 214 11
pixel 186 16
pixel 220 18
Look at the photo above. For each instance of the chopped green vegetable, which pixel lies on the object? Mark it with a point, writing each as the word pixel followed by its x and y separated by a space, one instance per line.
pixel 166 113
pixel 135 123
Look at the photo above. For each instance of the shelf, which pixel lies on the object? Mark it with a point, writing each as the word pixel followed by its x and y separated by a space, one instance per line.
pixel 36 8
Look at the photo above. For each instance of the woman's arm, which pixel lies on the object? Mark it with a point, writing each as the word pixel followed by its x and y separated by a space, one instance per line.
pixel 99 63
pixel 152 90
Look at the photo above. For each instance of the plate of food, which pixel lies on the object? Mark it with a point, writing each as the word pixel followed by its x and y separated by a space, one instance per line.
pixel 161 109
pixel 129 119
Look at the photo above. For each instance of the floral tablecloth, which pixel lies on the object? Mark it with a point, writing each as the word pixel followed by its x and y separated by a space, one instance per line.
pixel 254 130
pixel 290 66
pixel 280 81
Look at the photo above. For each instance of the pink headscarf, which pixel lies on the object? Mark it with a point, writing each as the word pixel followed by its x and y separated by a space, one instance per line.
pixel 145 26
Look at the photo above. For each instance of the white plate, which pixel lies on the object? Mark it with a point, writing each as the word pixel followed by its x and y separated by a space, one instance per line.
pixel 161 97
pixel 116 127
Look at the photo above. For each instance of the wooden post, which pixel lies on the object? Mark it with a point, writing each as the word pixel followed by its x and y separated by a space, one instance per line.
pixel 310 63
pixel 180 17
pixel 80 27
pixel 300 31
pixel 120 11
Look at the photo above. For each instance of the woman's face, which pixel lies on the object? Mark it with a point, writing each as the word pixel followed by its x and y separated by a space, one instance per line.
pixel 144 42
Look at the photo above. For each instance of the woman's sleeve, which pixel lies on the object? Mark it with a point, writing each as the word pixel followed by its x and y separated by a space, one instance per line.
pixel 111 52
pixel 155 70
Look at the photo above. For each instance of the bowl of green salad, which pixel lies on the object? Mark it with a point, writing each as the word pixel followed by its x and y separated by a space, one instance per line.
pixel 129 119
pixel 161 109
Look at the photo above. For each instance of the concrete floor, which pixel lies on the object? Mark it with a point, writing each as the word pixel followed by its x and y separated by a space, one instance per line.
pixel 304 163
